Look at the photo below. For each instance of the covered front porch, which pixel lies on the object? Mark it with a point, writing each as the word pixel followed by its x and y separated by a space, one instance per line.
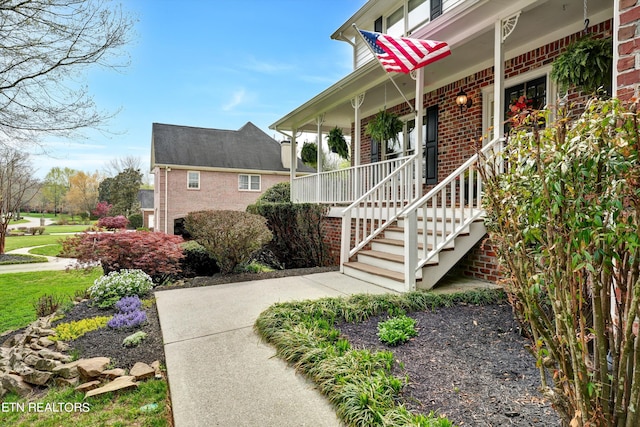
pixel 500 49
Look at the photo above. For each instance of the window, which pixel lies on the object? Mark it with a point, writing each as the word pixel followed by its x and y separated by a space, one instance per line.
pixel 193 180
pixel 535 91
pixel 249 182
pixel 395 22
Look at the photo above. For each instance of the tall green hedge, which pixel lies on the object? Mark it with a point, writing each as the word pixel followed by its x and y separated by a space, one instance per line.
pixel 297 233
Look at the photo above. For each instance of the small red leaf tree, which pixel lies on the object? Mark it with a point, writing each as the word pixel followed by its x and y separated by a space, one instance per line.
pixel 157 254
pixel 113 222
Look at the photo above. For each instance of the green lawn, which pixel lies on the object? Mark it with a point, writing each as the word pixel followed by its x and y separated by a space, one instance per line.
pixel 18 292
pixel 49 250
pixel 17 242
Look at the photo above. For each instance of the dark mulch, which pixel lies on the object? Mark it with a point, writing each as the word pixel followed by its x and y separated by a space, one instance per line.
pixel 468 363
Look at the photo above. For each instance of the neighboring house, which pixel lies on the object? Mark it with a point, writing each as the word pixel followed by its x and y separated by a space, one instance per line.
pixel 402 232
pixel 198 168
pixel 145 199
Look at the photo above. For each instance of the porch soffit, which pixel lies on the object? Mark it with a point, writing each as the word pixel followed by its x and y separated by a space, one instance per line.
pixel 470 35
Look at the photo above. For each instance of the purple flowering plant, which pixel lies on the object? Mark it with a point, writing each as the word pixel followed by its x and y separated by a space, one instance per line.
pixel 130 314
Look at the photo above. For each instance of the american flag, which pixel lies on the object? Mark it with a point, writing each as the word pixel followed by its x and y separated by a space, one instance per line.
pixel 403 55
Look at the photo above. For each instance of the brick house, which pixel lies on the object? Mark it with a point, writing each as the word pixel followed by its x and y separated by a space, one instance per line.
pixel 403 232
pixel 198 168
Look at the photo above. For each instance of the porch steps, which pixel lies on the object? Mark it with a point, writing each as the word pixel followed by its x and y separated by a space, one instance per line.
pixel 383 263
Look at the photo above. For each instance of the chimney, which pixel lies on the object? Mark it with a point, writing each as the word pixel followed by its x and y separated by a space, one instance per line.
pixel 285 154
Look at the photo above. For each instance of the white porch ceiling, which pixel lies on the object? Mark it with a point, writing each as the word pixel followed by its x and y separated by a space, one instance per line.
pixel 471 37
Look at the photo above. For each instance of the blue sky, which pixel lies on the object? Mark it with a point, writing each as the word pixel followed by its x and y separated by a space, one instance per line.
pixel 209 63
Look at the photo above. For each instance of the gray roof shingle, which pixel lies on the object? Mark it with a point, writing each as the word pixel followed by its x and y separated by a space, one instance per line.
pixel 247 148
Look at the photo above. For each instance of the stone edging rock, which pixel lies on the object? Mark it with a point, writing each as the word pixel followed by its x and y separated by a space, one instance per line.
pixel 31 359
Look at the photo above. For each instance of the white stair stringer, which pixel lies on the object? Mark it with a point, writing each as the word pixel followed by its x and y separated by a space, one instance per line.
pixel 432 273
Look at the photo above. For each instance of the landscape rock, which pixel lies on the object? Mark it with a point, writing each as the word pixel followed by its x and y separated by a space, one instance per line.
pixel 156 367
pixel 46 364
pixel 88 386
pixel 142 371
pixel 68 370
pixel 32 359
pixel 61 346
pixel 45 342
pixel 65 382
pixel 15 383
pixel 93 368
pixel 37 377
pixel 114 373
pixel 119 384
pixel 54 355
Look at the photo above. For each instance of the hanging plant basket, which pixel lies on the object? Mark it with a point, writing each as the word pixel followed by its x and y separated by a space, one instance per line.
pixel 384 127
pixel 309 154
pixel 586 64
pixel 337 143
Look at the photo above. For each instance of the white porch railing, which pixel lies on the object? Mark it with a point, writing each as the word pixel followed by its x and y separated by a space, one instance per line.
pixel 377 208
pixel 437 218
pixel 344 185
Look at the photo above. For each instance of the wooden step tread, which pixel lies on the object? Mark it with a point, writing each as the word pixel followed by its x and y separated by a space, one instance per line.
pixel 383 272
pixel 383 255
pixel 396 242
pixel 420 231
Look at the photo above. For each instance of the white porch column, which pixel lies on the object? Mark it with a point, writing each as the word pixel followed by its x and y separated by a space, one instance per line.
pixel 498 80
pixel 419 107
pixel 319 122
pixel 294 159
pixel 356 103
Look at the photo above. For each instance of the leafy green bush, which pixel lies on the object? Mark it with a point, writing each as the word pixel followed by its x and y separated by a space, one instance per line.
pixel 74 330
pixel 135 339
pixel 229 236
pixel 107 290
pixel 278 193
pixel 397 330
pixel 197 260
pixel 135 221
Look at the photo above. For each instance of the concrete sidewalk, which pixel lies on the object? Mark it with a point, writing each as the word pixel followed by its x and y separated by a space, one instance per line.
pixel 54 263
pixel 221 374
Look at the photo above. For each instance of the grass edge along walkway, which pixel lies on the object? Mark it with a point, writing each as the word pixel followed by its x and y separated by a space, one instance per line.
pixel 358 383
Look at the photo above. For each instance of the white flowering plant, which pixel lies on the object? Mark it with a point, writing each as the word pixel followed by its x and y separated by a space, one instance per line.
pixel 109 289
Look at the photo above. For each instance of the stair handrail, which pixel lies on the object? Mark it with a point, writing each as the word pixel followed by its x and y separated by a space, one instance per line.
pixel 410 214
pixel 346 251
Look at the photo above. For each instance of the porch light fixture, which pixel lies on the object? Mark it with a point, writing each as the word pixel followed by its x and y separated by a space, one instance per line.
pixel 463 101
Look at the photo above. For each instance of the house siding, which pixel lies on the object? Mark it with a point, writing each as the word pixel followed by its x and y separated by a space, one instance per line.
pixel 218 190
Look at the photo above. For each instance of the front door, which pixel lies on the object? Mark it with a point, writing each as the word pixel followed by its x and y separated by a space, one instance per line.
pixel 431 146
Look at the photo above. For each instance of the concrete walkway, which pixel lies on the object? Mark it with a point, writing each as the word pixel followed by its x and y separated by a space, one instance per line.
pixel 54 263
pixel 221 374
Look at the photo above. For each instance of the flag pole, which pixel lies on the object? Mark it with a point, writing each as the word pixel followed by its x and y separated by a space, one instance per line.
pixel 385 71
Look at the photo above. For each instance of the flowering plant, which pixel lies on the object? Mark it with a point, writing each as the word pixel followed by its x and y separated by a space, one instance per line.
pixel 128 304
pixel 107 290
pixel 520 111
pixel 127 320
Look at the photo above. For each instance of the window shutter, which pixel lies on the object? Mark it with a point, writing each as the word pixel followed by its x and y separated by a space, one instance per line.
pixel 436 9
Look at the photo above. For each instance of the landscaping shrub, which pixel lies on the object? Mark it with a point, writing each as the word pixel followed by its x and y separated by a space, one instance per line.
pixel 278 193
pixel 229 236
pixel 102 209
pixel 113 222
pixel 157 254
pixel 297 233
pixel 107 290
pixel 129 320
pixel 197 260
pixel 134 339
pixel 74 330
pixel 564 216
pixel 47 304
pixel 135 221
pixel 128 304
pixel 397 330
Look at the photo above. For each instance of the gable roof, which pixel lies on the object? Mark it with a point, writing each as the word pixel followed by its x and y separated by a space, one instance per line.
pixel 248 148
pixel 145 198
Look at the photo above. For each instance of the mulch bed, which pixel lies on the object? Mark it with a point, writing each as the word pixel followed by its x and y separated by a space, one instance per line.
pixel 469 363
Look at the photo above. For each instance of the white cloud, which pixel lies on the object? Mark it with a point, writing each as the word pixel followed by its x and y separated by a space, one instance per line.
pixel 254 64
pixel 237 98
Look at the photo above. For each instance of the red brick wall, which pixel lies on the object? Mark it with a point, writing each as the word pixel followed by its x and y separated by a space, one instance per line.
pixel 627 71
pixel 218 190
pixel 332 227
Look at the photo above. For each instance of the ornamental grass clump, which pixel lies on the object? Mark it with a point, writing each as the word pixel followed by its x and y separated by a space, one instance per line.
pixel 107 290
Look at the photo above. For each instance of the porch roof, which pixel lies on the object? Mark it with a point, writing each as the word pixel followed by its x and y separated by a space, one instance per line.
pixel 469 30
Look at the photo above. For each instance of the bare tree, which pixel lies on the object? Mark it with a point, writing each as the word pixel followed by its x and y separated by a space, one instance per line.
pixel 16 185
pixel 45 45
pixel 121 164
